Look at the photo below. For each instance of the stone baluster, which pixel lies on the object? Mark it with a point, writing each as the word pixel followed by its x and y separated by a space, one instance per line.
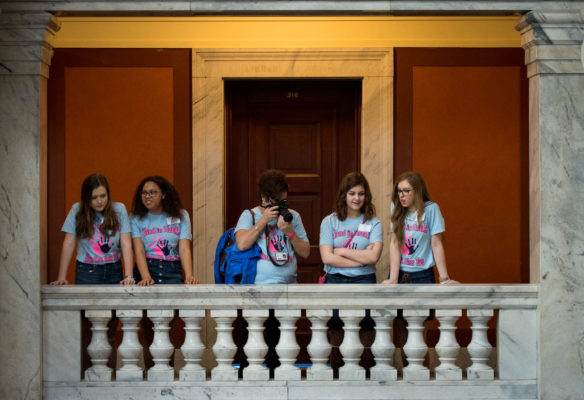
pixel 224 347
pixel 130 349
pixel 319 348
pixel 415 347
pixel 256 348
pixel 351 348
pixel 99 349
pixel 287 347
pixel 383 347
pixel 479 347
pixel 193 347
pixel 161 348
pixel 447 347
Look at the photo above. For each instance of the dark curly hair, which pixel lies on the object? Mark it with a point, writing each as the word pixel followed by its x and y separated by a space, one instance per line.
pixel 272 184
pixel 171 203
pixel 349 181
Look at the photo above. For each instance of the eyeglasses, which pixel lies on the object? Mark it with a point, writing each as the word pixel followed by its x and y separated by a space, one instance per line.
pixel 151 193
pixel 405 192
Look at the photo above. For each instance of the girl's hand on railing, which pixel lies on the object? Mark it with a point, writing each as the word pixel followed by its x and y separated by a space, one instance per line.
pixel 191 281
pixel 146 282
pixel 389 282
pixel 128 280
pixel 60 282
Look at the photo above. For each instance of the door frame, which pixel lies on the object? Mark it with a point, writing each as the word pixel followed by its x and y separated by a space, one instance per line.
pixel 212 66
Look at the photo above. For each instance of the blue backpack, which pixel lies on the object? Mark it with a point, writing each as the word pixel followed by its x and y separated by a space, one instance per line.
pixel 233 265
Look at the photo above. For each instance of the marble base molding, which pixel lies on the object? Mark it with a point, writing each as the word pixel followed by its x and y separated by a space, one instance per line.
pixel 212 66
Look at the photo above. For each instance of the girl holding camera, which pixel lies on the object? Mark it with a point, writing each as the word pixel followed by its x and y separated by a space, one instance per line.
pixel 277 230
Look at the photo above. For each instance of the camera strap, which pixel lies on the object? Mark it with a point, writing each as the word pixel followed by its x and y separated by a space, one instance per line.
pixel 267 236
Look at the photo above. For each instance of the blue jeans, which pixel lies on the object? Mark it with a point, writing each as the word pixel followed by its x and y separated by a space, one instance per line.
pixel 338 278
pixel 163 272
pixel 425 276
pixel 98 274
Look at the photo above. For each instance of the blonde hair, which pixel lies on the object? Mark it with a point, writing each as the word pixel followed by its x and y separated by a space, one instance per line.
pixel 421 196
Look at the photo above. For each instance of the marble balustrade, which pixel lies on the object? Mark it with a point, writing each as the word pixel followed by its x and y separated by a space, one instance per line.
pixel 507 371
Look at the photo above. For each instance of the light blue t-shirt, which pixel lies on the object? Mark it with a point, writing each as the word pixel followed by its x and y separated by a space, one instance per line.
pixel 416 252
pixel 161 233
pixel 99 249
pixel 268 273
pixel 352 233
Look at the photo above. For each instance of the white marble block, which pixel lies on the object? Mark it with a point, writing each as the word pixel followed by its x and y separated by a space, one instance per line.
pixel 517 344
pixel 161 348
pixel 193 348
pixel 61 346
pixel 130 349
pixel 447 347
pixel 351 348
pixel 479 347
pixel 287 347
pixel 319 348
pixel 383 347
pixel 415 347
pixel 224 347
pixel 99 349
pixel 256 348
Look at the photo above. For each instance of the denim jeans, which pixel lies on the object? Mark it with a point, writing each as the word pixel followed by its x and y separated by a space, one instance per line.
pixel 98 274
pixel 338 278
pixel 425 276
pixel 163 272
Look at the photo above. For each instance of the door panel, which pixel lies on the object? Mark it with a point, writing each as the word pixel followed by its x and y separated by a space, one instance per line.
pixel 295 126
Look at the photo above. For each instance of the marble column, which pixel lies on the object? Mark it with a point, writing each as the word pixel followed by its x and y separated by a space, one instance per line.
pixel 553 46
pixel 24 62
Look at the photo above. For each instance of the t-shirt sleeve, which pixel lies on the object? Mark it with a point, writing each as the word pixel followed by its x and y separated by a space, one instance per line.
pixel 376 232
pixel 326 232
pixel 245 221
pixel 435 219
pixel 69 224
pixel 391 208
pixel 135 227
pixel 298 226
pixel 185 226
pixel 123 218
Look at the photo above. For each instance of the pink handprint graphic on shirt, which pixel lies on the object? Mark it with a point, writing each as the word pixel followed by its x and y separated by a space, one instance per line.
pixel 160 246
pixel 100 244
pixel 410 245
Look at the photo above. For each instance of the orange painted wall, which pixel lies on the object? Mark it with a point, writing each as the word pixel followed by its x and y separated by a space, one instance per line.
pixel 119 122
pixel 467 146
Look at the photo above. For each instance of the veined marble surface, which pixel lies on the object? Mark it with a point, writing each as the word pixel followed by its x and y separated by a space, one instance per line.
pixel 230 297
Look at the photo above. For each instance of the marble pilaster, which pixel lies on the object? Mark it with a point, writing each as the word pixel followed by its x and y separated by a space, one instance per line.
pixel 553 44
pixel 24 60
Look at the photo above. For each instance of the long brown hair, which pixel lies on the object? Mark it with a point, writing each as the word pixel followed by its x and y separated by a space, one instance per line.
pixel 171 204
pixel 349 181
pixel 85 217
pixel 421 196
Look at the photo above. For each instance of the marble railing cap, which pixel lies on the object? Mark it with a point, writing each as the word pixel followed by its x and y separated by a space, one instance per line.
pixel 84 297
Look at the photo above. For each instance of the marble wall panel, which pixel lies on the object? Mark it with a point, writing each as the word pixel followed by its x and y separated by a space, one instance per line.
pixel 20 250
pixel 561 118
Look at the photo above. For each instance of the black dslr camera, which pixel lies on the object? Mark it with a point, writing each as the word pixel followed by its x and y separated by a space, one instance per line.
pixel 282 209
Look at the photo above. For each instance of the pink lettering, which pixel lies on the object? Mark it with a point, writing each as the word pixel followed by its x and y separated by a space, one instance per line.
pixel 146 231
pixel 420 262
pixel 172 229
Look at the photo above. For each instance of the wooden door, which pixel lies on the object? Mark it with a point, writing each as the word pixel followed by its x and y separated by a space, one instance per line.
pixel 307 128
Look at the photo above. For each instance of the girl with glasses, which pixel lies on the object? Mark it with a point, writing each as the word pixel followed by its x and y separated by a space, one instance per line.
pixel 161 233
pixel 102 229
pixel 416 234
